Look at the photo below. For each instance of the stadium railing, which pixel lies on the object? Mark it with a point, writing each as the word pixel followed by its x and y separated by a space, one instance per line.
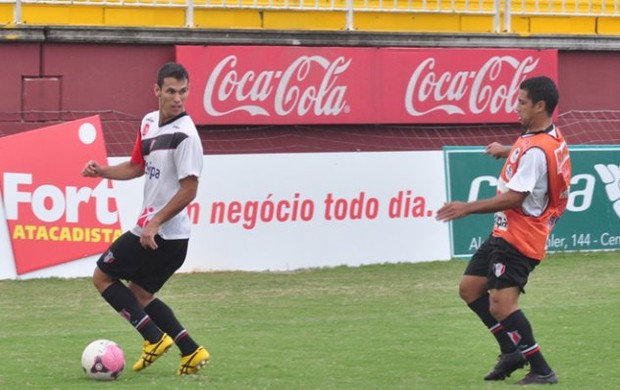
pixel 556 16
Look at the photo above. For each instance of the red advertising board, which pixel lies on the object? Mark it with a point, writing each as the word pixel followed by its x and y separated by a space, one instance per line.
pixel 54 214
pixel 458 85
pixel 278 85
pixel 311 85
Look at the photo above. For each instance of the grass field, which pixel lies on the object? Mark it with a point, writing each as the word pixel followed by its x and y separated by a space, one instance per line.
pixel 392 326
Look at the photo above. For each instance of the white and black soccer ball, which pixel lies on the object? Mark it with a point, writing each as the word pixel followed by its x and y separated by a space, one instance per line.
pixel 103 360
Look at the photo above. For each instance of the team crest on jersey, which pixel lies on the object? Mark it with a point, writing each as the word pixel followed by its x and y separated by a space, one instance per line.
pixel 509 172
pixel 145 129
pixel 515 155
pixel 499 269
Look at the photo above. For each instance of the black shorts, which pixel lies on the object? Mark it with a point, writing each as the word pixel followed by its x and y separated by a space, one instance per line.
pixel 502 264
pixel 150 269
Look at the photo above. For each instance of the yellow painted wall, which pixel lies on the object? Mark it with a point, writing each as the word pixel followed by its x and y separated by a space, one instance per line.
pixel 519 25
pixel 307 20
pixel 608 26
pixel 241 19
pixel 6 13
pixel 477 24
pixel 145 17
pixel 62 15
pixel 562 25
pixel 401 22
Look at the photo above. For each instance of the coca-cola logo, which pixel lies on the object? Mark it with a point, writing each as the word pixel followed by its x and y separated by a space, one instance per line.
pixel 492 88
pixel 308 85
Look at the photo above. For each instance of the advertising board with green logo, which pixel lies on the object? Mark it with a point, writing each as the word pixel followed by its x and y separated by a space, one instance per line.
pixel 592 218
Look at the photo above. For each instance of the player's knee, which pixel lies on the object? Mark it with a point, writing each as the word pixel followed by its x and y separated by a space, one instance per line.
pixel 469 291
pixel 496 312
pixel 468 296
pixel 464 293
pixel 500 310
pixel 499 313
pixel 101 280
pixel 143 296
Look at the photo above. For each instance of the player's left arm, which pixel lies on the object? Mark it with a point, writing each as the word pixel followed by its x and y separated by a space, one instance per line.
pixel 188 188
pixel 504 201
pixel 532 167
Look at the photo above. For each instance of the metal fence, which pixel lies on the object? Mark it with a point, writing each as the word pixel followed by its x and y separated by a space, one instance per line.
pixel 494 8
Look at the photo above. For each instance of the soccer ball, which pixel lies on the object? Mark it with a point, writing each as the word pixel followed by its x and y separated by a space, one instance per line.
pixel 103 360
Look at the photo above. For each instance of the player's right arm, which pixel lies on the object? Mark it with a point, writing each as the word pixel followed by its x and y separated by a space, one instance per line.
pixel 497 150
pixel 123 171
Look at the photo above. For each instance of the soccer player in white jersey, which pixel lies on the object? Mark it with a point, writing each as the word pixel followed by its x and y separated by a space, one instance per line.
pixel 168 153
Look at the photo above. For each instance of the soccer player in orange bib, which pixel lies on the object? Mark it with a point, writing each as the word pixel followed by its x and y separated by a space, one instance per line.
pixel 532 193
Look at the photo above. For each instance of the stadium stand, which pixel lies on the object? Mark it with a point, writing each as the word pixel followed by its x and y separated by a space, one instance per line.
pixel 439 16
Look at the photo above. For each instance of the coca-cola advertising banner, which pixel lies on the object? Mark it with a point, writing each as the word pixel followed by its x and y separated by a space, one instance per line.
pixel 334 85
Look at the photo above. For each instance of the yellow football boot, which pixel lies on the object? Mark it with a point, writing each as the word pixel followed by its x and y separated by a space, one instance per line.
pixel 190 364
pixel 153 351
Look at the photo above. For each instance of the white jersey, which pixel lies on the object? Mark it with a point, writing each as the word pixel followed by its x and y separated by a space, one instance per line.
pixel 169 153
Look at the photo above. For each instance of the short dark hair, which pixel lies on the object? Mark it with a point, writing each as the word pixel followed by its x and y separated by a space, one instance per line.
pixel 542 88
pixel 171 69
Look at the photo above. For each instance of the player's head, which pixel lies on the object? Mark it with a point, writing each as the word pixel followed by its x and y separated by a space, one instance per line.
pixel 538 97
pixel 172 69
pixel 541 89
pixel 172 89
